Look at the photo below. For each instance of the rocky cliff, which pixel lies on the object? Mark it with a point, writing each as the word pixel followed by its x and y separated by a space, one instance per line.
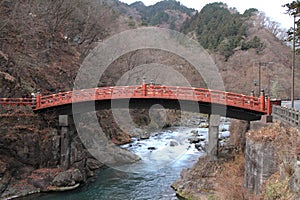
pixel 268 169
pixel 31 153
pixel 272 162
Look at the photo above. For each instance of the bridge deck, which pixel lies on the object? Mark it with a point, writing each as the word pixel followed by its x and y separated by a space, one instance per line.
pixel 253 104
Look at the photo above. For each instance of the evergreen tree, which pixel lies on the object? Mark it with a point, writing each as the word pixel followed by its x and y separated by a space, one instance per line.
pixel 293 9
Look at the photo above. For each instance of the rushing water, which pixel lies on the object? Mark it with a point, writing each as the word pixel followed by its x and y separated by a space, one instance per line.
pixel 148 179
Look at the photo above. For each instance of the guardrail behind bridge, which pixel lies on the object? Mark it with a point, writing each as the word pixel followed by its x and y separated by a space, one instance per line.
pixel 286 115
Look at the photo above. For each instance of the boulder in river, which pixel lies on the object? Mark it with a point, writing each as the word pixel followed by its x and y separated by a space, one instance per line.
pixel 173 143
pixel 201 147
pixel 144 136
pixel 67 178
pixel 194 140
pixel 203 125
pixel 152 148
pixel 93 164
pixel 194 132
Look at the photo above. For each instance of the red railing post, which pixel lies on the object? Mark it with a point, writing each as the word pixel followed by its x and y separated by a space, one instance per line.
pixel 144 88
pixel 38 100
pixel 269 108
pixel 262 101
pixel 243 100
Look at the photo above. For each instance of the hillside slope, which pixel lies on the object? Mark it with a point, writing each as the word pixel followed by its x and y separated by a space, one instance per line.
pixel 43 43
pixel 242 68
pixel 239 44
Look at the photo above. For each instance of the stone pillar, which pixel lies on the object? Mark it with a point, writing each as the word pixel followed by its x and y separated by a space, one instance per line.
pixel 213 136
pixel 64 124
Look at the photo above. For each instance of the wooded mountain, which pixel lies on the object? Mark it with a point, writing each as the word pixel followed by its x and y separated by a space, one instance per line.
pixel 222 29
pixel 168 12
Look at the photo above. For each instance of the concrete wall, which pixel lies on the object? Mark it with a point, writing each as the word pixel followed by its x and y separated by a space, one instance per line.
pixel 286 115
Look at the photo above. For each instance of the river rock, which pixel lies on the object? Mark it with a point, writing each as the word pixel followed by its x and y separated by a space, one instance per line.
pixel 63 179
pixel 194 132
pixel 173 143
pixel 67 178
pixel 41 183
pixel 194 140
pixel 144 136
pixel 77 175
pixel 202 138
pixel 136 132
pixel 203 125
pixel 152 148
pixel 114 155
pixel 223 130
pixel 93 164
pixel 201 147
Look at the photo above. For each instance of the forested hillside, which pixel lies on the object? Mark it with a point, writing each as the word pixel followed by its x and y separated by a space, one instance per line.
pixel 240 43
pixel 169 13
pixel 223 30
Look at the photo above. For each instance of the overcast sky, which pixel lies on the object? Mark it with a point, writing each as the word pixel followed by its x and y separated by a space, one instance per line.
pixel 272 8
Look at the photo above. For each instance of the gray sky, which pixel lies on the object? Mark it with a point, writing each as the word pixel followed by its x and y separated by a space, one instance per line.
pixel 272 8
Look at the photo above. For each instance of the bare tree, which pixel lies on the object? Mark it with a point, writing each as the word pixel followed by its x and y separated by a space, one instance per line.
pixel 260 20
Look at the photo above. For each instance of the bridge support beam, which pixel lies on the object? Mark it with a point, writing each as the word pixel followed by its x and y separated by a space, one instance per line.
pixel 65 122
pixel 213 136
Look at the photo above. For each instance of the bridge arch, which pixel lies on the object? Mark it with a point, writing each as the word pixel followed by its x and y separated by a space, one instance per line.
pixel 144 96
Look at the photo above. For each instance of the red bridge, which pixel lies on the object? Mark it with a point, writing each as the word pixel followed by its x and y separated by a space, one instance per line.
pixel 143 96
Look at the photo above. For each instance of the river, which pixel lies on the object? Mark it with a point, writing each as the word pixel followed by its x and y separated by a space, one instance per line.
pixel 148 179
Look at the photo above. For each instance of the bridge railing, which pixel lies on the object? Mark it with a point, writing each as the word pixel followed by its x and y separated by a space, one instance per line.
pixel 17 101
pixel 145 91
pixel 287 115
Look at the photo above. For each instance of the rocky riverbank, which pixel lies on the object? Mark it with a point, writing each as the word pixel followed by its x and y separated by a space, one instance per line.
pixel 268 169
pixel 202 180
pixel 30 156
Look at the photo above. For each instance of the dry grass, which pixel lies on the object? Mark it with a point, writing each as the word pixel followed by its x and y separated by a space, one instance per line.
pixel 230 182
pixel 276 188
